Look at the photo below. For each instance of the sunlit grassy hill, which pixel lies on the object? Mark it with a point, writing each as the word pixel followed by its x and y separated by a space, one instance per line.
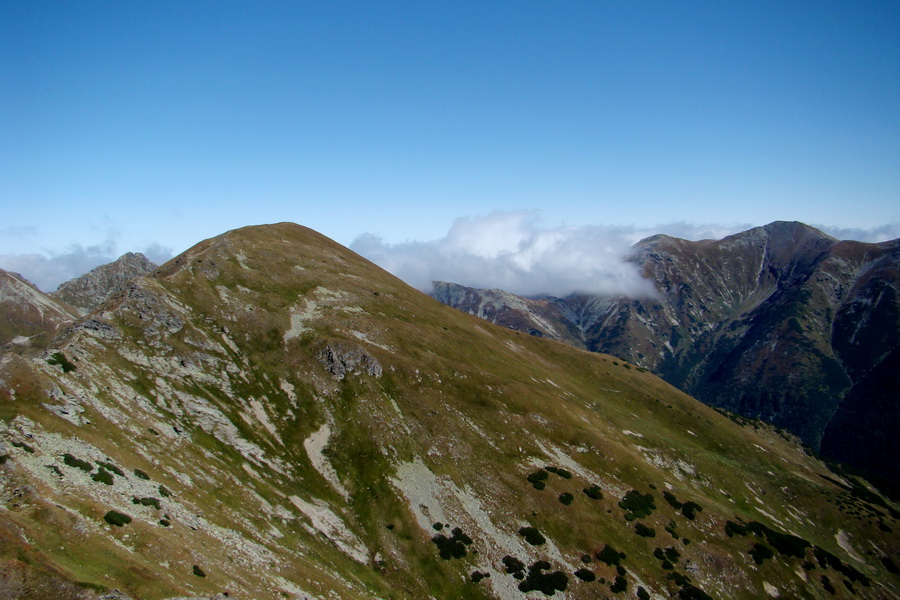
pixel 272 416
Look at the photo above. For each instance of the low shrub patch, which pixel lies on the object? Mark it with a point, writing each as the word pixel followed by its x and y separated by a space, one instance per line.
pixel 532 536
pixel 610 555
pixel 77 463
pixel 690 510
pixel 111 467
pixel 672 500
pixel 644 531
pixel 619 586
pixel 585 575
pixel 198 571
pixel 58 358
pixel 141 475
pixel 593 492
pixel 637 504
pixel 538 479
pixel 760 552
pixel 566 498
pixel 103 476
pixel 559 471
pixel 513 565
pixel 454 546
pixel 146 502
pixel 548 583
pixel 116 518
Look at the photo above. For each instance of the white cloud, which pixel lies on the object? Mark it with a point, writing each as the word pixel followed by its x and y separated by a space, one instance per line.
pixel 882 233
pixel 514 252
pixel 511 251
pixel 47 271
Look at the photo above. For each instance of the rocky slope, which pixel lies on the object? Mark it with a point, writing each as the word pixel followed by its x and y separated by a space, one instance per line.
pixel 28 317
pixel 271 416
pixel 780 323
pixel 90 290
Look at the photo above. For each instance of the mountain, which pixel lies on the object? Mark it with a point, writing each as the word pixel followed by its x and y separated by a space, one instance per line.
pixel 89 291
pixel 781 323
pixel 27 315
pixel 268 415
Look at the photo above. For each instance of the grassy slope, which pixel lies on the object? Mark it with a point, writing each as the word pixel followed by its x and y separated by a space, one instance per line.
pixel 481 407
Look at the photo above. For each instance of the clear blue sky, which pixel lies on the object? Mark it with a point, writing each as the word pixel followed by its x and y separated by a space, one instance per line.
pixel 137 123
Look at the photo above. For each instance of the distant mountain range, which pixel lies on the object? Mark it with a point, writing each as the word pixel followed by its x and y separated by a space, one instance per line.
pixel 269 416
pixel 781 323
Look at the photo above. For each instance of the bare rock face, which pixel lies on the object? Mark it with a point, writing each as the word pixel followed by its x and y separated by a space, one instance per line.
pixel 89 291
pixel 341 359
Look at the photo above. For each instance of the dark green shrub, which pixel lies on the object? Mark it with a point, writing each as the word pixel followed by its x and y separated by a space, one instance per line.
pixel 620 585
pixel 890 565
pixel 454 546
pixel 637 504
pixel 538 479
pixel 672 554
pixel 672 500
pixel 77 463
pixel 610 555
pixel 644 531
pixel 566 498
pixel 103 476
pixel 4 458
pixel 513 565
pixel 548 583
pixel 642 594
pixel 165 493
pixel 147 502
pixel 437 526
pixel 826 583
pixel 165 522
pixel 586 558
pixel 141 475
pixel 58 358
pixel 477 576
pixel 760 552
pixel 689 592
pixel 593 492
pixel 198 571
pixel 53 468
pixel 732 529
pixel 690 510
pixel 111 467
pixel 585 575
pixel 116 518
pixel 532 536
pixel 559 471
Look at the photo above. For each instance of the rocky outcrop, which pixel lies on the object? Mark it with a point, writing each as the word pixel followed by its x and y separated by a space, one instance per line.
pixel 342 359
pixel 89 291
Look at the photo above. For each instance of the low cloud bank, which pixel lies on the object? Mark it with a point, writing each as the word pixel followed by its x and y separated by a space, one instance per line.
pixel 511 251
pixel 48 271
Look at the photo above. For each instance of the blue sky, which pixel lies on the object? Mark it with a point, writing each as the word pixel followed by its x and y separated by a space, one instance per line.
pixel 153 125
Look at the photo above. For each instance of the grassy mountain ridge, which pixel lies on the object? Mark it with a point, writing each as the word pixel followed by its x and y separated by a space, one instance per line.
pixel 778 323
pixel 278 414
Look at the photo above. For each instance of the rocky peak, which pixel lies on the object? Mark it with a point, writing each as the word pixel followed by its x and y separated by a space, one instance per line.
pixel 89 291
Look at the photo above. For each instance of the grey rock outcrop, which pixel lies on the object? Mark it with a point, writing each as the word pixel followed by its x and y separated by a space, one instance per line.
pixel 89 291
